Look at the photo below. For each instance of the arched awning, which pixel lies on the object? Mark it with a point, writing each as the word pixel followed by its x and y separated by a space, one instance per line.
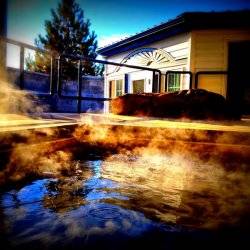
pixel 150 57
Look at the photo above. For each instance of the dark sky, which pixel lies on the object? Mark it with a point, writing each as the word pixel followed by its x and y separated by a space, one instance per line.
pixel 111 19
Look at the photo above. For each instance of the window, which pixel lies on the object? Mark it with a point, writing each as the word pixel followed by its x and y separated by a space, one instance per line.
pixel 115 88
pixel 174 81
pixel 119 88
pixel 138 86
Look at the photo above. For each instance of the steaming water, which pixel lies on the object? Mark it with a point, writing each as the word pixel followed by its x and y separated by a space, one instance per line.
pixel 128 201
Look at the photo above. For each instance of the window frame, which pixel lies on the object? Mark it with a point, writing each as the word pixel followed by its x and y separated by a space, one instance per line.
pixel 116 87
pixel 176 86
pixel 137 80
pixel 121 89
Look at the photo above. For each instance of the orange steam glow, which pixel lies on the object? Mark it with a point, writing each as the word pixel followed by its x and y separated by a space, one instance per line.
pixel 175 172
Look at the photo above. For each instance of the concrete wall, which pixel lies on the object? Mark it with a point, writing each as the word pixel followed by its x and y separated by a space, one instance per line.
pixel 92 86
pixel 33 81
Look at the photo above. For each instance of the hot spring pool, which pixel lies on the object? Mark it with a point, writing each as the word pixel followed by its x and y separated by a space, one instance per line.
pixel 129 200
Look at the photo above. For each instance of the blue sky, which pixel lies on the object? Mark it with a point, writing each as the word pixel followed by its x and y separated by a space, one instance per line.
pixel 111 19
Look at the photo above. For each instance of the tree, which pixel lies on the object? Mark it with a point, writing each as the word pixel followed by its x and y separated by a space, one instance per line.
pixel 68 33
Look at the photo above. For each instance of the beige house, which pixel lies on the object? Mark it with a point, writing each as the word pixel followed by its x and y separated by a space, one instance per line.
pixel 205 50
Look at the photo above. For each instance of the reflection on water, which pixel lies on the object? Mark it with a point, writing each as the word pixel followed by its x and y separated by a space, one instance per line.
pixel 176 190
pixel 127 197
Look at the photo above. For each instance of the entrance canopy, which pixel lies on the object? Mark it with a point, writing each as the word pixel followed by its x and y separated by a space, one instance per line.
pixel 151 57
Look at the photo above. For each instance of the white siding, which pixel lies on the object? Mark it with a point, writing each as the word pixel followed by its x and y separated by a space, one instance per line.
pixel 178 47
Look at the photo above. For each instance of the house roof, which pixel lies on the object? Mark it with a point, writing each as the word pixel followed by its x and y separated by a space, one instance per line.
pixel 183 23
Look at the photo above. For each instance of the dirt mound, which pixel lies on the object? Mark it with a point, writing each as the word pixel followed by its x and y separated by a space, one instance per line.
pixel 193 104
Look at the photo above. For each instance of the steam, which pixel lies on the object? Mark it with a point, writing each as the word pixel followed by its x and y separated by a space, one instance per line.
pixel 36 160
pixel 27 158
pixel 15 101
pixel 195 184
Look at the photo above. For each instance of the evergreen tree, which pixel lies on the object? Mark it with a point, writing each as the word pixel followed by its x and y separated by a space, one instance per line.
pixel 68 33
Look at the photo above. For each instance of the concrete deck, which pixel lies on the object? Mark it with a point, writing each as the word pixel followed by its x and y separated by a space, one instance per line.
pixel 28 131
pixel 13 122
pixel 242 126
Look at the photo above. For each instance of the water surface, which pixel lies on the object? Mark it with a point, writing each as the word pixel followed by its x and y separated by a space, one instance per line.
pixel 129 200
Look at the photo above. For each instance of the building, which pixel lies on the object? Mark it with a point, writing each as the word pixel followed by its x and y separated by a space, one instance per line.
pixel 208 50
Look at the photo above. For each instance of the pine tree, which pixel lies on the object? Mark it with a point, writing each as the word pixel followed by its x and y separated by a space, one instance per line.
pixel 68 33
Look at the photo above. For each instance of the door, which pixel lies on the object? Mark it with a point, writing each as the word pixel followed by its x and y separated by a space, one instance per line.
pixel 238 88
pixel 138 86
pixel 111 89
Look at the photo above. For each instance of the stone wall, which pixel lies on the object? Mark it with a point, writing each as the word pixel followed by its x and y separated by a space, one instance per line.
pixel 92 86
pixel 38 82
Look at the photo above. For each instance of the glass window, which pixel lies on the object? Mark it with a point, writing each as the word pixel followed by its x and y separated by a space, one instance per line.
pixel 119 88
pixel 174 82
pixel 138 86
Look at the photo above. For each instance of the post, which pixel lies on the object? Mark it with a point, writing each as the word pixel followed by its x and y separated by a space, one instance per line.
pixel 155 87
pixel 126 83
pixel 58 87
pixel 21 79
pixel 79 80
pixel 52 77
pixel 191 81
pixel 196 80
pixel 159 83
pixel 153 83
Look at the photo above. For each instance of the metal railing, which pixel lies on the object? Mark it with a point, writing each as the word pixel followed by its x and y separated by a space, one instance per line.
pixel 22 47
pixel 55 83
pixel 207 72
pixel 179 73
pixel 55 87
pixel 80 60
